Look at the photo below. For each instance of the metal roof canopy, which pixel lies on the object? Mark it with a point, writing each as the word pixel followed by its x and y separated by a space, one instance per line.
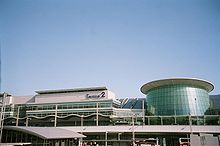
pixel 46 132
pixel 71 90
pixel 15 144
pixel 175 81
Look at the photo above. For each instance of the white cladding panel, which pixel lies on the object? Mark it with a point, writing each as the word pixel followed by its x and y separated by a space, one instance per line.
pixel 74 96
pixel 17 99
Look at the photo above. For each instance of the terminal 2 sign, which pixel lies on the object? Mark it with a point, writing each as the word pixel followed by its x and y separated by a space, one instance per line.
pixel 95 96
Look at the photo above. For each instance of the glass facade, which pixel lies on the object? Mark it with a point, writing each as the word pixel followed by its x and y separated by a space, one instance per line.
pixel 177 100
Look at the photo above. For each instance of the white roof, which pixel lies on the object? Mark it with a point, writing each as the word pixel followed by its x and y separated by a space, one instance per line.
pixel 46 132
pixel 175 81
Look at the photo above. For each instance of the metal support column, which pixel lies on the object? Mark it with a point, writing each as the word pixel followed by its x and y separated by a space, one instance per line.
pixel 119 136
pixel 157 143
pixel 148 120
pixel 133 134
pixel 17 117
pixel 82 120
pixel 26 122
pixel 119 139
pixel 143 112
pixel 164 141
pixel 190 124
pixel 55 117
pixel 80 142
pixel 2 116
pixel 97 114
pixel 106 138
pixel 174 111
pixel 197 114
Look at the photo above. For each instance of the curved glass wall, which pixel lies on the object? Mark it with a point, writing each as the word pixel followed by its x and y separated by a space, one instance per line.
pixel 177 100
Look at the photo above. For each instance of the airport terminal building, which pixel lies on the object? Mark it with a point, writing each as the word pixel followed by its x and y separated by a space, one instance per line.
pixel 174 112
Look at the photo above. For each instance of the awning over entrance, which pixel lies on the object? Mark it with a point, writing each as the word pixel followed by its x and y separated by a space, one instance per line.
pixel 46 132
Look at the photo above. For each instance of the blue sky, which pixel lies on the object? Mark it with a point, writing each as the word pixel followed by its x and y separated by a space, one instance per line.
pixel 121 44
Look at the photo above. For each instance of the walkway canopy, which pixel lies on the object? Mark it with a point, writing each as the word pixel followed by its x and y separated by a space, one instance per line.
pixel 46 132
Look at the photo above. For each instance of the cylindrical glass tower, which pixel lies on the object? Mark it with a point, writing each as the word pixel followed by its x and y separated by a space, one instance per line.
pixel 177 96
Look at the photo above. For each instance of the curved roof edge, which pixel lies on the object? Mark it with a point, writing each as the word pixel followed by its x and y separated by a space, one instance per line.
pixel 46 132
pixel 208 86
